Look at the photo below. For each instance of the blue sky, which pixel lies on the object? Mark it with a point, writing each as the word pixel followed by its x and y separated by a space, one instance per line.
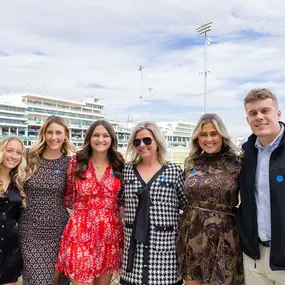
pixel 80 49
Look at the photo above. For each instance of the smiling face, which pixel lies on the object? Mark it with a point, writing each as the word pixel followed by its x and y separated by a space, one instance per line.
pixel 263 118
pixel 12 154
pixel 209 139
pixel 100 140
pixel 54 136
pixel 146 150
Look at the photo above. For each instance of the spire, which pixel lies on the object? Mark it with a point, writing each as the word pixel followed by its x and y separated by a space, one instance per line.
pixel 130 122
pixel 130 119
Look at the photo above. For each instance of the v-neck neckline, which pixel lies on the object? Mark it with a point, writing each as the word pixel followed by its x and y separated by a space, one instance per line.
pixel 8 190
pixel 153 178
pixel 104 174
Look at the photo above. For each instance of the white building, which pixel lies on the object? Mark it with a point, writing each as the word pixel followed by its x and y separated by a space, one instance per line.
pixel 177 134
pixel 24 114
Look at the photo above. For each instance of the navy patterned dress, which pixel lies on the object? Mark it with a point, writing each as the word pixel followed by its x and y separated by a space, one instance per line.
pixel 43 221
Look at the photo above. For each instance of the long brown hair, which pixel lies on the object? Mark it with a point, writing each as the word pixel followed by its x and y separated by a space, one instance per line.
pixel 36 151
pixel 18 173
pixel 115 158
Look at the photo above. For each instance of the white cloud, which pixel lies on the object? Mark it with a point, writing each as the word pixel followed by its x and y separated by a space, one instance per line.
pixel 104 42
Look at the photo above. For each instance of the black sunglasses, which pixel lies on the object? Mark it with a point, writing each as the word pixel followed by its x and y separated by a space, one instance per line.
pixel 146 141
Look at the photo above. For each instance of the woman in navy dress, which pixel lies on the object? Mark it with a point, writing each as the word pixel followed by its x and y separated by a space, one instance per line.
pixel 42 222
pixel 12 198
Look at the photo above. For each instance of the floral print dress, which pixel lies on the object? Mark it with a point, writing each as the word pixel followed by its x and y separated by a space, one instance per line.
pixel 92 242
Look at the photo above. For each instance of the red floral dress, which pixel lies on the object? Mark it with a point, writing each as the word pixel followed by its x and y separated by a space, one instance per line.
pixel 92 242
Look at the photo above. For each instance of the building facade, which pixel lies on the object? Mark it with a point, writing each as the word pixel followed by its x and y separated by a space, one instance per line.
pixel 24 114
pixel 13 120
pixel 177 134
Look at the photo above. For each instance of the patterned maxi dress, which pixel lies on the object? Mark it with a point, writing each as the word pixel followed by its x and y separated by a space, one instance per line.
pixel 92 242
pixel 43 220
pixel 208 243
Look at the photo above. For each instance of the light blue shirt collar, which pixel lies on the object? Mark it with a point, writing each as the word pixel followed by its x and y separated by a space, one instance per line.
pixel 274 144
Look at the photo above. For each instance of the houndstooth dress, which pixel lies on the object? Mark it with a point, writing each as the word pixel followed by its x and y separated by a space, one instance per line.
pixel 153 261
pixel 42 221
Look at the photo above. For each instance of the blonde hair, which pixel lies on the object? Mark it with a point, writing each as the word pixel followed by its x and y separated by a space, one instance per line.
pixel 18 173
pixel 36 151
pixel 131 153
pixel 227 145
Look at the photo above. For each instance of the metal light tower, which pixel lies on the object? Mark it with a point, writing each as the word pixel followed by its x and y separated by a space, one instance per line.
pixel 151 93
pixel 141 97
pixel 202 30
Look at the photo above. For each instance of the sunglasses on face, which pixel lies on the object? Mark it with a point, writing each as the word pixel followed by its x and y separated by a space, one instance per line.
pixel 146 141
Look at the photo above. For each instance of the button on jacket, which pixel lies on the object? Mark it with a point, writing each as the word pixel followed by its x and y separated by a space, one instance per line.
pixel 246 217
pixel 150 226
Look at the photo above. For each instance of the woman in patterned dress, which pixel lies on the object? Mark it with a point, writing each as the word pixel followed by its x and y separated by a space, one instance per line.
pixel 208 243
pixel 43 220
pixel 153 197
pixel 12 198
pixel 92 242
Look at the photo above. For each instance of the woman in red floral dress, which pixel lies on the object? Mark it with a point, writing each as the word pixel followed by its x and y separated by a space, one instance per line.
pixel 92 242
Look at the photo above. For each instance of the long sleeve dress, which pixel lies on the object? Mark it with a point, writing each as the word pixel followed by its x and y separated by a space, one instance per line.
pixel 208 242
pixel 92 242
pixel 152 212
pixel 43 220
pixel 10 255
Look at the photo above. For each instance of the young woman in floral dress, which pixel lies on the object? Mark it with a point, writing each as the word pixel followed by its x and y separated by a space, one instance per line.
pixel 92 242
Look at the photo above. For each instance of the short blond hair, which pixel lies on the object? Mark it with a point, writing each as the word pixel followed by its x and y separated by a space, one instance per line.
pixel 260 94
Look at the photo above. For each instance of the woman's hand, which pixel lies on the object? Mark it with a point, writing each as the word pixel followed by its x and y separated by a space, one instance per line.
pixel 56 278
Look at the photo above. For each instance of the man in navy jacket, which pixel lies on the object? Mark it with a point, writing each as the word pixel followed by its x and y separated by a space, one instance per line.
pixel 261 215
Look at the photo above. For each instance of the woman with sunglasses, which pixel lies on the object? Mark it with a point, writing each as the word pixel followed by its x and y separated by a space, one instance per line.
pixel 153 197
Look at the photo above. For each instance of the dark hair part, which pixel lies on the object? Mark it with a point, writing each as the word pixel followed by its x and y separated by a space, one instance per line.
pixel 114 156
pixel 260 94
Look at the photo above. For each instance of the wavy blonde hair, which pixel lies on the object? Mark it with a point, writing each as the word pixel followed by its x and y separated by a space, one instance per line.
pixel 36 151
pixel 227 145
pixel 131 153
pixel 18 173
